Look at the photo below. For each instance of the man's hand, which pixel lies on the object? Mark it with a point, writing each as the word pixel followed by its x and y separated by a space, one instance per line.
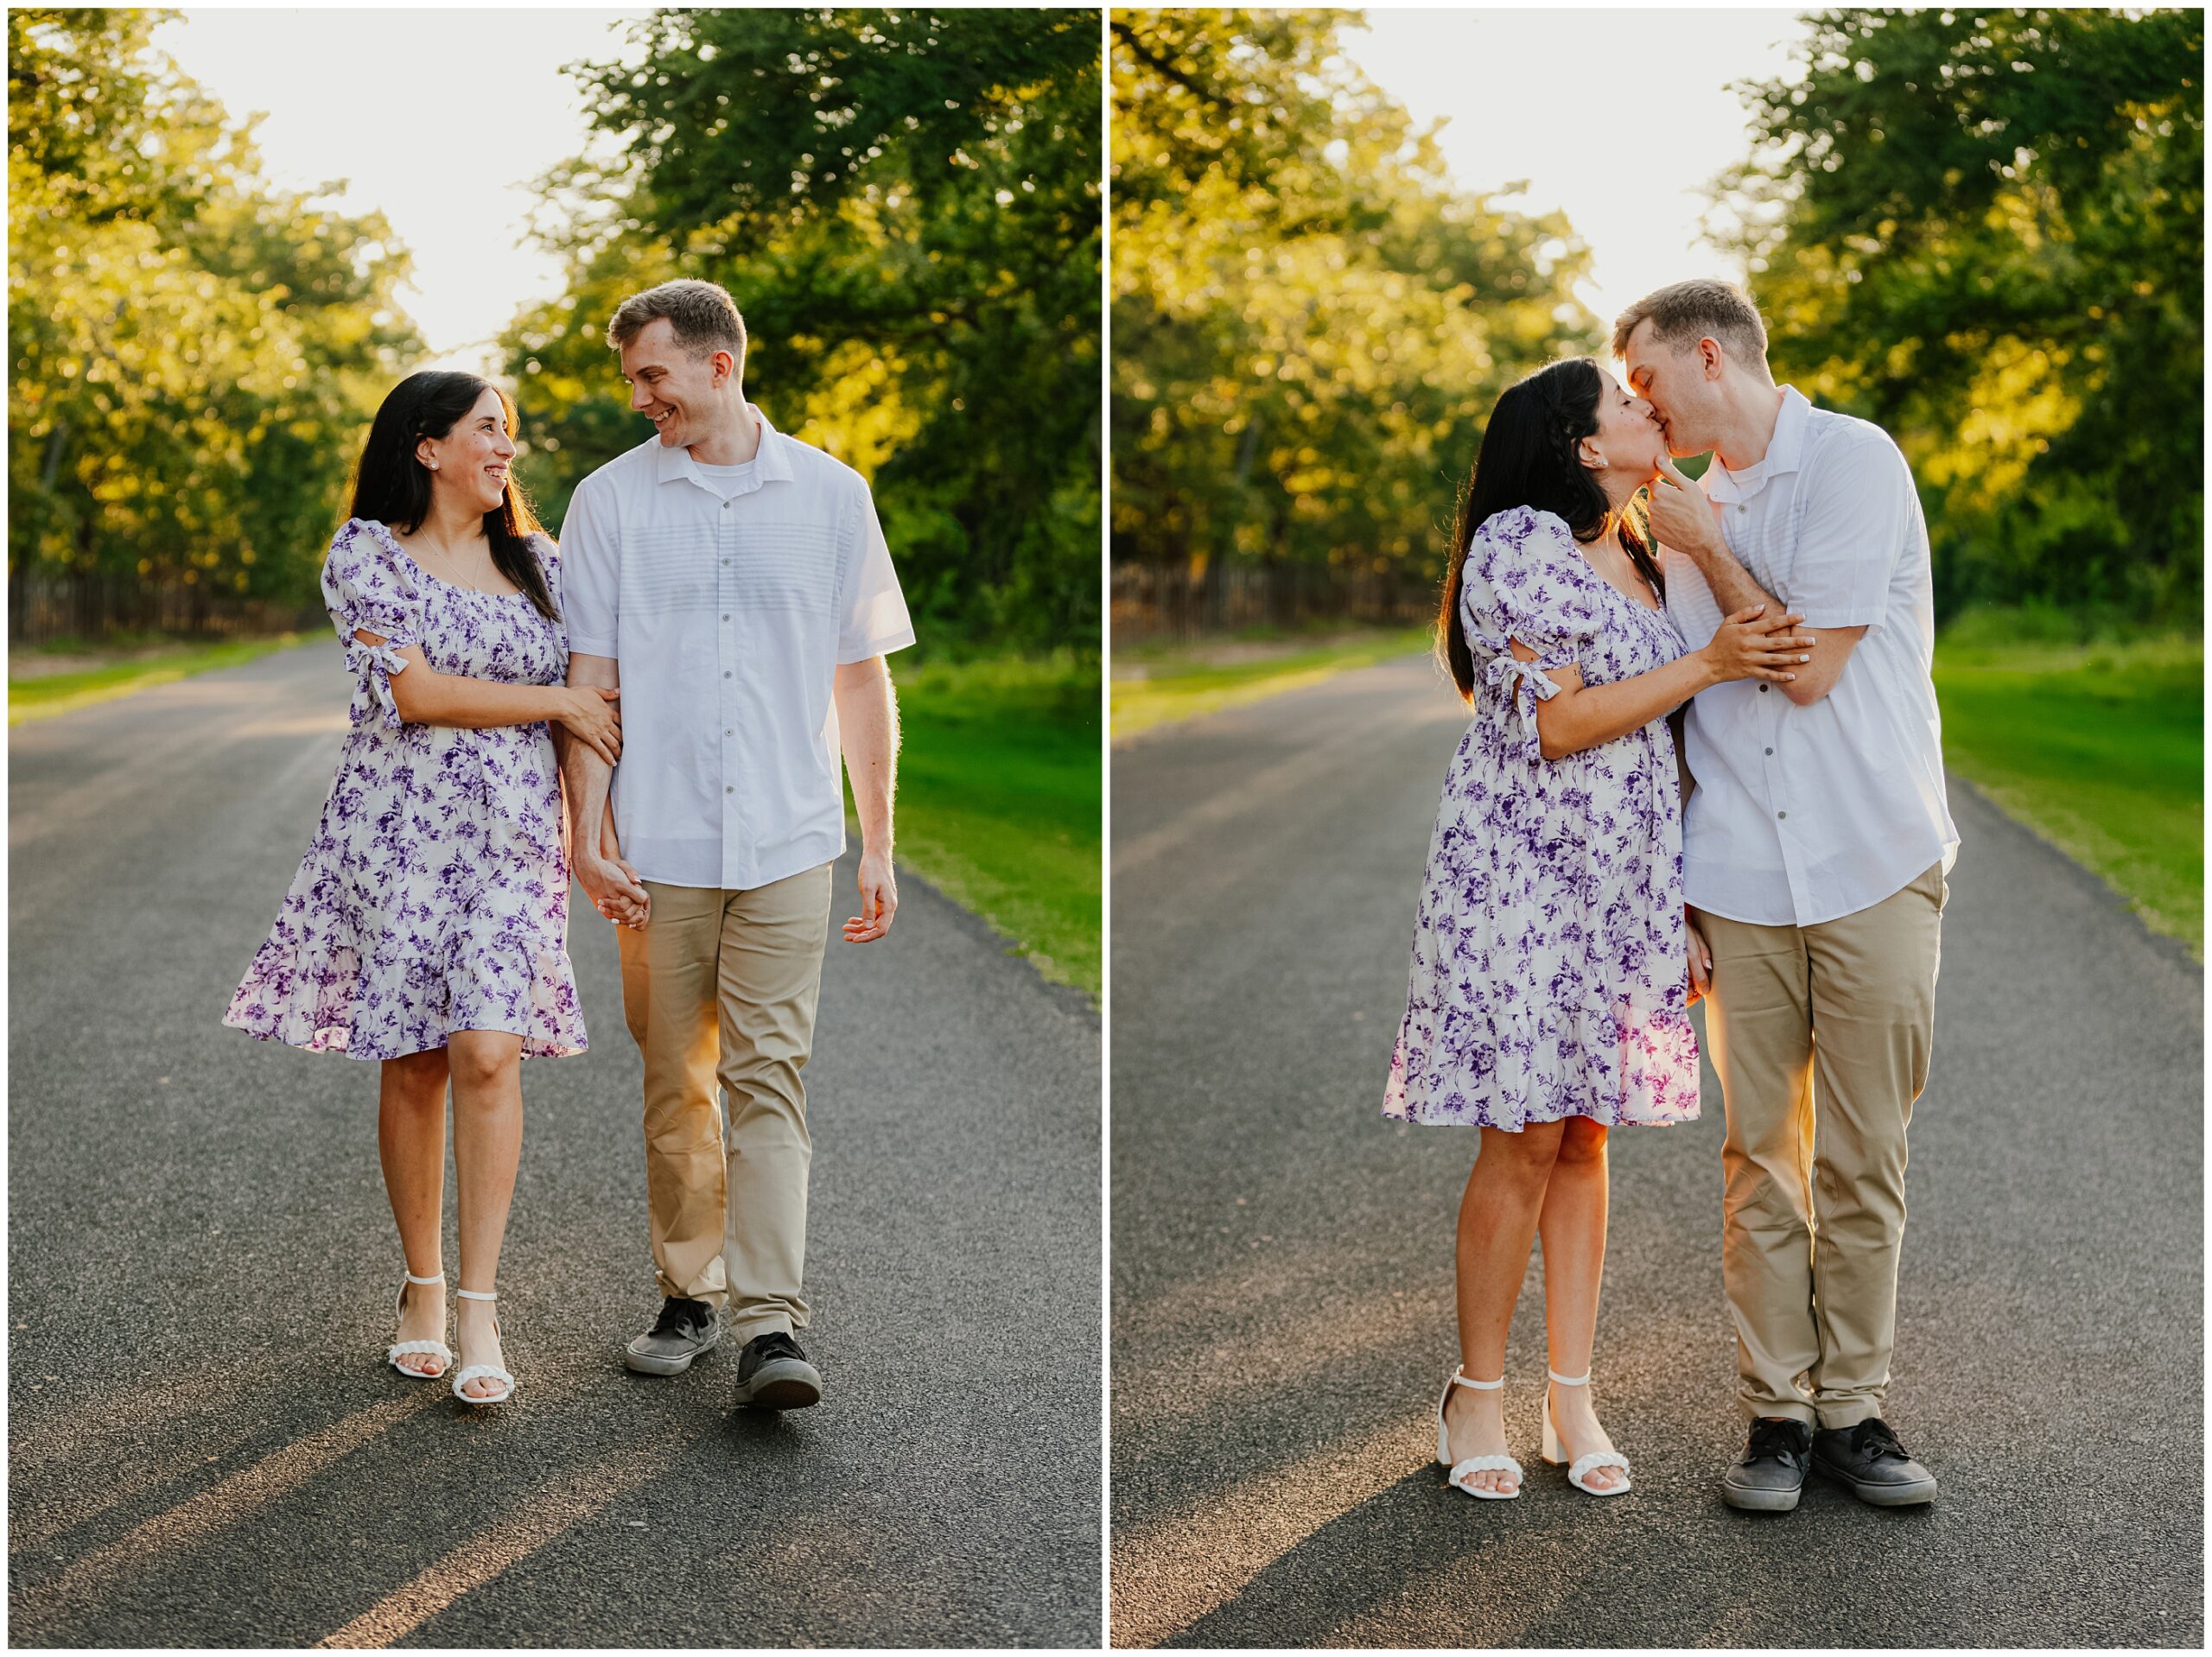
pixel 879 899
pixel 614 889
pixel 1701 959
pixel 1681 515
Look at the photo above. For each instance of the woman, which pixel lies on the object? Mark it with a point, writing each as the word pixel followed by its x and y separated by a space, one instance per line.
pixel 427 927
pixel 1549 1001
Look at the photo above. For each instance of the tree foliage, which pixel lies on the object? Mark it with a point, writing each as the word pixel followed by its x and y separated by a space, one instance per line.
pixel 1984 230
pixel 905 206
pixel 1310 320
pixel 194 353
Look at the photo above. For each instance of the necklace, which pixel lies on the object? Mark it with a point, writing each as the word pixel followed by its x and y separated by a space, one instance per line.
pixel 446 559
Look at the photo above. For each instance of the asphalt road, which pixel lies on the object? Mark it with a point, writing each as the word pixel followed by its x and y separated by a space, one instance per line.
pixel 205 1447
pixel 1282 1260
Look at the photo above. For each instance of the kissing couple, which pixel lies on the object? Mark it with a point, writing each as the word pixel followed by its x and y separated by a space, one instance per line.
pixel 728 590
pixel 1581 892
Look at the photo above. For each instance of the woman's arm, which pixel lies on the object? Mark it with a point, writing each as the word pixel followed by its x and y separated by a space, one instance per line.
pixel 1587 716
pixel 425 696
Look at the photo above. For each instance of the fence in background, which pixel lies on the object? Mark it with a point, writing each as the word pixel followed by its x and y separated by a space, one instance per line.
pixel 1154 602
pixel 91 608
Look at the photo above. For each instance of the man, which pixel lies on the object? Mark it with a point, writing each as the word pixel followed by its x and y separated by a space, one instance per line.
pixel 1815 842
pixel 735 586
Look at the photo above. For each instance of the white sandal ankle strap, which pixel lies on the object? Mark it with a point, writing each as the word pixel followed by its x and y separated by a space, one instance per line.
pixel 1460 1379
pixel 1582 1380
pixel 471 1294
pixel 424 1281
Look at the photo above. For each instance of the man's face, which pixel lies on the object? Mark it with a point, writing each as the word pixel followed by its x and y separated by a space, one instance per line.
pixel 676 391
pixel 1675 384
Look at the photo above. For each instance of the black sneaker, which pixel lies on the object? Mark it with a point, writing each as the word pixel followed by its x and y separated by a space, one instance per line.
pixel 684 1329
pixel 1771 1476
pixel 1869 1458
pixel 773 1374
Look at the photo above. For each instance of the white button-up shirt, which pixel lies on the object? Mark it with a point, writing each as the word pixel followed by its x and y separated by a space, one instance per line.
pixel 727 619
pixel 1802 815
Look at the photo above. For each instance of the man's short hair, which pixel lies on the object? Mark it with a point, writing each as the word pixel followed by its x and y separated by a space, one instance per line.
pixel 702 313
pixel 1687 312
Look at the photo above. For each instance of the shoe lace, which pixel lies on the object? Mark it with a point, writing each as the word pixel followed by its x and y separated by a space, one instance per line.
pixel 677 1316
pixel 1874 1440
pixel 1773 1440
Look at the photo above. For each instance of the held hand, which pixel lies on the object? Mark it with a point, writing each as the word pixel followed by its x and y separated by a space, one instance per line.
pixel 614 889
pixel 1752 645
pixel 1682 518
pixel 879 899
pixel 592 718
pixel 1700 962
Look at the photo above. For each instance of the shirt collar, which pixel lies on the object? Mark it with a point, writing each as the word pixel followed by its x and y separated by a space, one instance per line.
pixel 1785 452
pixel 771 463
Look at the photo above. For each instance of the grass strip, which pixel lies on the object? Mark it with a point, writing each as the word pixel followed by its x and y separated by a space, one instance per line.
pixel 1000 801
pixel 1166 686
pixel 46 695
pixel 2100 749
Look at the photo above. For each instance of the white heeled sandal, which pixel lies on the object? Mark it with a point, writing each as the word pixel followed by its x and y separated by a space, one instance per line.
pixel 1584 1465
pixel 400 1349
pixel 1461 1469
pixel 479 1371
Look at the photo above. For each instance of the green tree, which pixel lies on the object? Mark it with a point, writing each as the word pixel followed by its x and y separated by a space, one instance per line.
pixel 1311 322
pixel 1984 230
pixel 905 206
pixel 194 353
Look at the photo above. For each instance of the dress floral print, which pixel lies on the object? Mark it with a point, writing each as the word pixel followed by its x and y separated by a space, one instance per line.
pixel 435 895
pixel 1549 960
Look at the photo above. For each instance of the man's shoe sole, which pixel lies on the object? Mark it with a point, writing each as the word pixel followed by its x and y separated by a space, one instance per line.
pixel 645 1363
pixel 781 1384
pixel 1880 1494
pixel 1756 1501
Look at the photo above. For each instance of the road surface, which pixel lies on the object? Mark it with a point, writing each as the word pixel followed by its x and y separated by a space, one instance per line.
pixel 204 1446
pixel 1282 1259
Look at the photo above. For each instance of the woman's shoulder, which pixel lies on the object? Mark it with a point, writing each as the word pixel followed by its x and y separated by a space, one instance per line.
pixel 1529 532
pixel 366 552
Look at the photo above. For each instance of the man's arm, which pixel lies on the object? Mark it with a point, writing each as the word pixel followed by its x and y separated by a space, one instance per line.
pixel 612 885
pixel 868 729
pixel 1684 519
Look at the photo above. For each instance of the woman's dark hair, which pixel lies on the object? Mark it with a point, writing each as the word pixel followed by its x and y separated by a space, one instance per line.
pixel 391 486
pixel 1528 459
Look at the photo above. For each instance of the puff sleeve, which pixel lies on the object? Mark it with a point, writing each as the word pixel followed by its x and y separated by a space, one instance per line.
pixel 370 587
pixel 1518 583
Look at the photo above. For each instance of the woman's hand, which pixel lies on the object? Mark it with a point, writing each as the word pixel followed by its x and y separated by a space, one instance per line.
pixel 1701 961
pixel 1749 646
pixel 590 716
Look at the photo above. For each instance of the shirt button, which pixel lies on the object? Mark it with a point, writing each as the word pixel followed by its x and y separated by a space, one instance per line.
pixel 725 675
pixel 725 617
pixel 729 790
pixel 1770 750
pixel 1781 814
pixel 725 506
pixel 1763 689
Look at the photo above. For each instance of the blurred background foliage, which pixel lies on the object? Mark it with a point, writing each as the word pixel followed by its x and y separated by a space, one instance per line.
pixel 906 205
pixel 193 354
pixel 1982 230
pixel 1309 320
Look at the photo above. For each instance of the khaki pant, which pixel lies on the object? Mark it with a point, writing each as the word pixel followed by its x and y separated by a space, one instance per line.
pixel 1820 1035
pixel 719 991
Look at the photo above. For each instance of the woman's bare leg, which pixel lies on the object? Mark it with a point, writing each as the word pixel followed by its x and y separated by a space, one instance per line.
pixel 1572 1226
pixel 1498 1226
pixel 486 1149
pixel 412 1146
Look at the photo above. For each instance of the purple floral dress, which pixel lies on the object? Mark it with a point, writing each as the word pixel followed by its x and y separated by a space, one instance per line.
pixel 435 895
pixel 1550 964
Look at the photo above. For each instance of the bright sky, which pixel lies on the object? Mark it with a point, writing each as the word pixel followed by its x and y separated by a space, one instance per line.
pixel 1620 118
pixel 439 119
